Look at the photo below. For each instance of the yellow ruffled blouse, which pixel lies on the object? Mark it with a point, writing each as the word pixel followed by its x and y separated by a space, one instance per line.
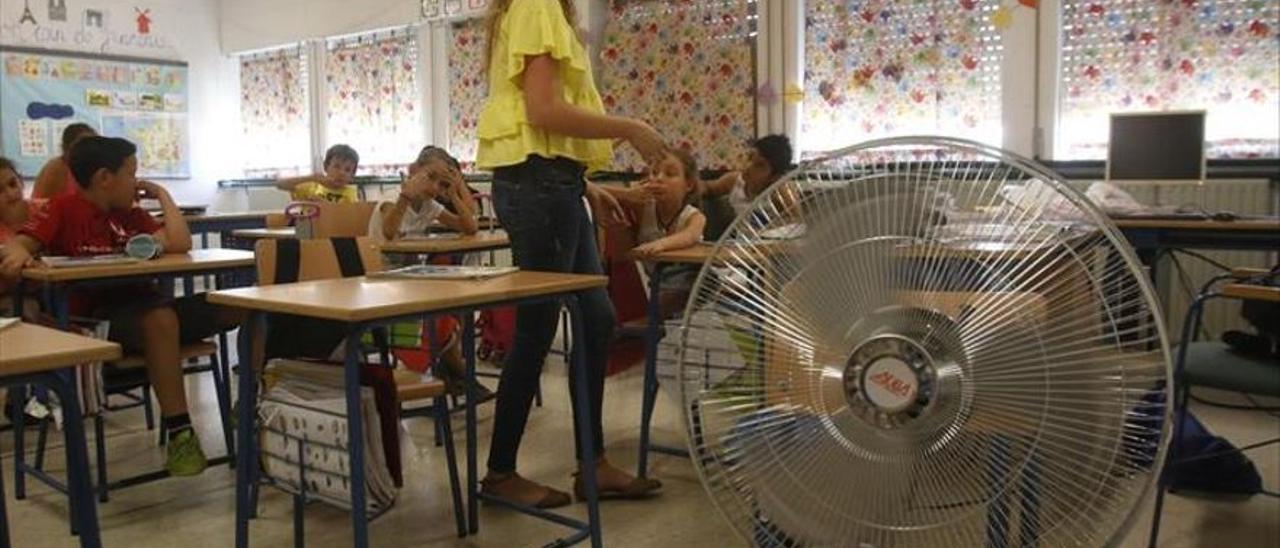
pixel 531 28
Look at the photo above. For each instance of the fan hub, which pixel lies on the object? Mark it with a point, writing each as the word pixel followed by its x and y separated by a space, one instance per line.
pixel 889 380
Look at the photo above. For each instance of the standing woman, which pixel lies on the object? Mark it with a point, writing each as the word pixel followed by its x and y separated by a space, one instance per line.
pixel 55 177
pixel 541 129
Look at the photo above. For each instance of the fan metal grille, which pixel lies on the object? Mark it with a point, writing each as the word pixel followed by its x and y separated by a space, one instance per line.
pixel 934 361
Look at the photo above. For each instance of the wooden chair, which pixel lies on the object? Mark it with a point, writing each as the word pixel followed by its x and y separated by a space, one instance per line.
pixel 344 220
pixel 291 260
pixel 276 220
pixel 125 376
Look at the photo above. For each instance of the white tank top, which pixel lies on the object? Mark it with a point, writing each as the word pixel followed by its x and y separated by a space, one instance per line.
pixel 650 229
pixel 413 222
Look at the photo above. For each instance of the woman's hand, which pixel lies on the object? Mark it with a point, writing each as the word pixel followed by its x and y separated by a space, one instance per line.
pixel 648 142
pixel 607 208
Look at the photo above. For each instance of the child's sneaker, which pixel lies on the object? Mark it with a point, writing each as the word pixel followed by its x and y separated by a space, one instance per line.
pixel 186 457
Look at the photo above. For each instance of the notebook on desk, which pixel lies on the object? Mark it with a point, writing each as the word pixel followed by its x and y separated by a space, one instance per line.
pixel 445 272
pixel 91 260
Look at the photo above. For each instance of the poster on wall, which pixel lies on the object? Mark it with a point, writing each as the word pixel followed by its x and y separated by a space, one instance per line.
pixel 145 101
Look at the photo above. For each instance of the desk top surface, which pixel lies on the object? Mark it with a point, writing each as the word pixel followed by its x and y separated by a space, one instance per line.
pixel 448 242
pixel 364 299
pixel 196 260
pixel 227 216
pixel 283 233
pixel 27 348
pixel 701 252
pixel 1201 224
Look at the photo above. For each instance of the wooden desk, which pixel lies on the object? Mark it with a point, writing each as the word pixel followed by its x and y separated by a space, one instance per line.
pixel 362 303
pixel 27 348
pixel 197 261
pixel 1250 224
pixel 447 243
pixel 695 255
pixel 31 354
pixel 265 233
pixel 366 299
pixel 61 281
pixel 1150 236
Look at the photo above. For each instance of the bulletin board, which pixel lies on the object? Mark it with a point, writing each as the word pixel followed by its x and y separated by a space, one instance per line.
pixel 143 100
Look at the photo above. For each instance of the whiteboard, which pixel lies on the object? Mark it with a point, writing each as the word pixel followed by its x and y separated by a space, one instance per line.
pixel 143 100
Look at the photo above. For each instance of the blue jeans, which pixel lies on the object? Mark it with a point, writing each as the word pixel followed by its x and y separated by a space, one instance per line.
pixel 539 203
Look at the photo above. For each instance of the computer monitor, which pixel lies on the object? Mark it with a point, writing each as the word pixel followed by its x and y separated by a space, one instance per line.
pixel 1156 146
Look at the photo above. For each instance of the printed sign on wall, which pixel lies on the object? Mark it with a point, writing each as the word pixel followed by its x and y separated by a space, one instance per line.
pixel 115 27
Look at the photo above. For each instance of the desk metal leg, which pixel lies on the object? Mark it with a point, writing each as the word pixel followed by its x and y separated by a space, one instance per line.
pixel 248 450
pixel 469 356
pixel 650 394
pixel 18 395
pixel 4 516
pixel 355 440
pixel 582 412
pixel 84 510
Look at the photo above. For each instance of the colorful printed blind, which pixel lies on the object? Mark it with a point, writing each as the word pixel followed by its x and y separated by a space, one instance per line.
pixel 373 100
pixel 468 88
pixel 880 68
pixel 1220 56
pixel 686 68
pixel 274 113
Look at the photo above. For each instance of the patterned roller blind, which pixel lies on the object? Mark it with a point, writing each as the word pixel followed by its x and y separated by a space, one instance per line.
pixel 1221 56
pixel 274 113
pixel 373 99
pixel 879 68
pixel 687 68
pixel 468 87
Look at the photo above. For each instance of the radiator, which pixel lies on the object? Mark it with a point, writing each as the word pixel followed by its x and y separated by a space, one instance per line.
pixel 1187 274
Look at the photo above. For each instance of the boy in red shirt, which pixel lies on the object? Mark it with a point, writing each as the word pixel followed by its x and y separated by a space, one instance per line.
pixel 100 219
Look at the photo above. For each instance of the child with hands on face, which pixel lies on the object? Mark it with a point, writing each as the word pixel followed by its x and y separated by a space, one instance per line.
pixel 666 220
pixel 434 176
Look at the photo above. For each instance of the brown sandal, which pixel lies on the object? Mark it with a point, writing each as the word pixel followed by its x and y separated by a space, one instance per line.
pixel 639 488
pixel 493 485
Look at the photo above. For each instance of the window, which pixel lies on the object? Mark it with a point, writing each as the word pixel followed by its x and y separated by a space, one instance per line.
pixel 1220 56
pixel 373 102
pixel 468 86
pixel 686 68
pixel 274 113
pixel 884 68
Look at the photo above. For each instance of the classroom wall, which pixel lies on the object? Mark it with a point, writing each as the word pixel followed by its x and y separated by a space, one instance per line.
pixel 184 30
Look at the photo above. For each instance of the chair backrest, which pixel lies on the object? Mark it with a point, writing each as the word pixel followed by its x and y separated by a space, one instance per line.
pixel 276 220
pixel 289 260
pixel 344 220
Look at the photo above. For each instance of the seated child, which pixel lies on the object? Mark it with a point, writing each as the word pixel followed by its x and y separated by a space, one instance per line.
pixel 14 213
pixel 433 176
pixel 101 218
pixel 728 197
pixel 334 185
pixel 668 221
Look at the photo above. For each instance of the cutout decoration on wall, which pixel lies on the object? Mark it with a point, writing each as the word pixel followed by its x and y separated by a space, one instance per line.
pixel 144 101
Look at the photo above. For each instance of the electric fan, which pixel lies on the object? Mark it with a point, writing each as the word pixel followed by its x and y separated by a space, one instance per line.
pixel 924 342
